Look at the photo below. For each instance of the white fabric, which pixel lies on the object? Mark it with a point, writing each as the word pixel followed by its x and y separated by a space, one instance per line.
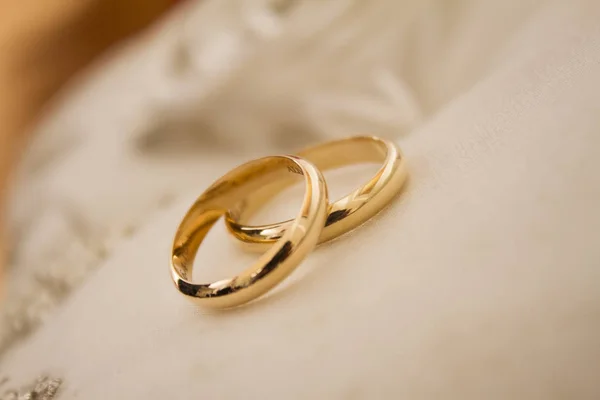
pixel 480 281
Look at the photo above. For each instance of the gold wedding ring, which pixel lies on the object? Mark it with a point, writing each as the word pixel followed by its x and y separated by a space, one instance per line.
pixel 279 261
pixel 346 213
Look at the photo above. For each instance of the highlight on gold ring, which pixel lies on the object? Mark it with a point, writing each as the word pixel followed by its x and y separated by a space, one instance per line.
pixel 278 261
pixel 344 214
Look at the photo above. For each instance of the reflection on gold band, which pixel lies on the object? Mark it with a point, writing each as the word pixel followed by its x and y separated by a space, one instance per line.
pixel 283 256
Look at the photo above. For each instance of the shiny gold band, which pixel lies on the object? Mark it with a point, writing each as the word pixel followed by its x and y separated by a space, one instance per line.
pixel 280 260
pixel 346 213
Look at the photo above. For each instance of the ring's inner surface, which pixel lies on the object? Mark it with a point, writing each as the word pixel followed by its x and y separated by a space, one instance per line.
pixel 225 194
pixel 346 151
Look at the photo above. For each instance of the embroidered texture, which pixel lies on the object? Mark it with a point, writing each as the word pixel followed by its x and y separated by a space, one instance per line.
pixel 44 388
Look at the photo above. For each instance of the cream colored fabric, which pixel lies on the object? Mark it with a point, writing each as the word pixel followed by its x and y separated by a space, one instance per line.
pixel 480 281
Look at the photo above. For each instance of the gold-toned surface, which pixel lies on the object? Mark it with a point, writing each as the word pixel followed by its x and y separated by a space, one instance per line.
pixel 278 261
pixel 346 213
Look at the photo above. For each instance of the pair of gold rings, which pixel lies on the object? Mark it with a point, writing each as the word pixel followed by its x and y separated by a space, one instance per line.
pixel 242 191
